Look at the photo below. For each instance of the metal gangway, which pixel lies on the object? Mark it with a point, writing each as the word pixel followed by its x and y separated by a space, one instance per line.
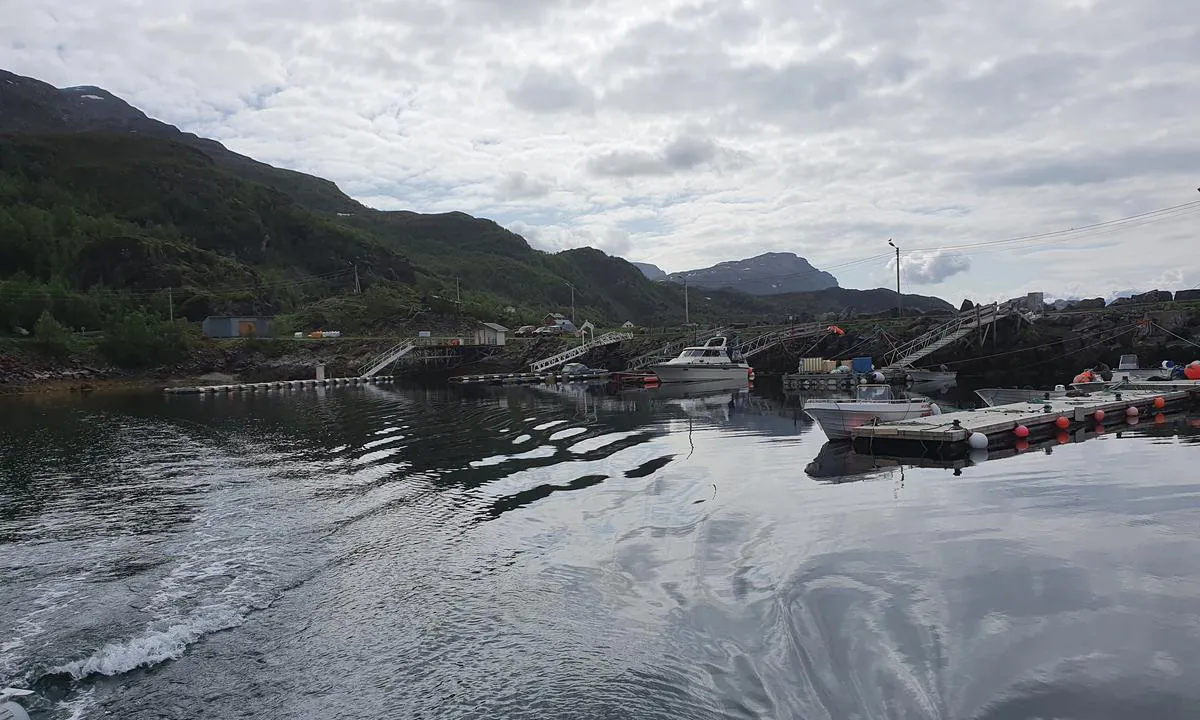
pixel 948 333
pixel 385 359
pixel 579 350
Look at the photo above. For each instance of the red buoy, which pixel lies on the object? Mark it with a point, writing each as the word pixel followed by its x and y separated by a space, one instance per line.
pixel 1099 416
pixel 1159 403
pixel 1062 423
pixel 1021 431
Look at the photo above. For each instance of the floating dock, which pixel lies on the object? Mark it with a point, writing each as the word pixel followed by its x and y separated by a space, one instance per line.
pixel 950 434
pixel 278 385
pixel 624 378
pixel 527 378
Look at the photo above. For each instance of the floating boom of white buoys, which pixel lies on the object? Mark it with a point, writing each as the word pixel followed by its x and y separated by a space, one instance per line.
pixel 278 385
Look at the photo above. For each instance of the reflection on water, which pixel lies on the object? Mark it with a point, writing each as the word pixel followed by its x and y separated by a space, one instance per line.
pixel 582 551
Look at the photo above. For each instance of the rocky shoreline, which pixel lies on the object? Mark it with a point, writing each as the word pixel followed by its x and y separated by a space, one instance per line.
pixel 1015 351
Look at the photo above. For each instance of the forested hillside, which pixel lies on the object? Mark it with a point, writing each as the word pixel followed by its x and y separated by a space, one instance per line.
pixel 110 219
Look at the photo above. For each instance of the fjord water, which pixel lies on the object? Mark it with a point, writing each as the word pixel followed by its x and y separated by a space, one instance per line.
pixel 531 553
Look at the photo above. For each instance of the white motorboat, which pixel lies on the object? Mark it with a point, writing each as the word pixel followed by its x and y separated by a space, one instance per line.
pixel 871 404
pixel 714 360
pixel 1130 370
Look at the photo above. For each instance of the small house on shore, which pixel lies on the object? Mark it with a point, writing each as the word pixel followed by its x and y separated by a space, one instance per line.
pixel 490 334
pixel 553 319
pixel 231 326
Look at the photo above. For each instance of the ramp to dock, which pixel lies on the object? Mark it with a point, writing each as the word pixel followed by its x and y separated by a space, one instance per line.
pixel 386 358
pixel 578 351
pixel 948 333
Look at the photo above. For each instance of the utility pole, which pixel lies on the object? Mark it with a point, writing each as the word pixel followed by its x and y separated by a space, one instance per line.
pixel 686 318
pixel 170 306
pixel 357 287
pixel 897 276
pixel 457 292
pixel 572 301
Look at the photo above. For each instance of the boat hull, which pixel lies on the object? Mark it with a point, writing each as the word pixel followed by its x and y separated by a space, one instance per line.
pixel 838 419
pixel 939 378
pixel 668 373
pixel 1007 396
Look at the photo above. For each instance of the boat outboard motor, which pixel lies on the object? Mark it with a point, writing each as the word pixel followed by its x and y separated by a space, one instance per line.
pixel 9 710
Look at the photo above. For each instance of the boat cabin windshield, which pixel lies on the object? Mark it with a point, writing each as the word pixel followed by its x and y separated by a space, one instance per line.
pixel 874 393
pixel 703 352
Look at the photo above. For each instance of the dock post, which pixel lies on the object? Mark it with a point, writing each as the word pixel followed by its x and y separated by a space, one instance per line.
pixel 321 372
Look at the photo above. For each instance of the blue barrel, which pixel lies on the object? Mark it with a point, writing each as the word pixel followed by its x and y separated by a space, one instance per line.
pixel 861 365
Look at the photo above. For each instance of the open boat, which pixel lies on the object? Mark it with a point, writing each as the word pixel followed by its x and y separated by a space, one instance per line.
pixel 714 360
pixel 871 404
pixel 932 378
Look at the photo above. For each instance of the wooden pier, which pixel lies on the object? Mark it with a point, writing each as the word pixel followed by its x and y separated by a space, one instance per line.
pixel 950 433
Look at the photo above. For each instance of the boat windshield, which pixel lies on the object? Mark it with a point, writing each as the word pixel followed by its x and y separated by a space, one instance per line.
pixel 874 393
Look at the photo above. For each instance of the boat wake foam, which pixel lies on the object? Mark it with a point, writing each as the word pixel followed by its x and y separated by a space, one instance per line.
pixel 152 647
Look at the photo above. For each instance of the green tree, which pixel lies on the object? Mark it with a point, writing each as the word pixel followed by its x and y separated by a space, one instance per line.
pixel 50 337
pixel 139 340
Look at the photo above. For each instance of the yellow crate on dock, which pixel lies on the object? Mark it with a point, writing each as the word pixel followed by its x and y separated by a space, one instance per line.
pixel 812 364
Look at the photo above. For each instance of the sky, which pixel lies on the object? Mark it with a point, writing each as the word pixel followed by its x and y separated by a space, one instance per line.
pixel 688 132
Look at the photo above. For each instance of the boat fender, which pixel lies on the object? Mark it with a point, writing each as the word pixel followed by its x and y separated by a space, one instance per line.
pixel 934 409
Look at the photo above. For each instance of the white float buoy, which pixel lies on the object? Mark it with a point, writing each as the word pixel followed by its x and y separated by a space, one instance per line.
pixel 1131 411
pixel 978 441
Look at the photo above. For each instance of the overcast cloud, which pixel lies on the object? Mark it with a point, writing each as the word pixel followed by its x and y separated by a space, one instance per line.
pixel 687 132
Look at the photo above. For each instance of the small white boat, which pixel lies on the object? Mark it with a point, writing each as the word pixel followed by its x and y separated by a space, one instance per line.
pixel 1007 396
pixel 871 404
pixel 714 360
pixel 934 378
pixel 1130 370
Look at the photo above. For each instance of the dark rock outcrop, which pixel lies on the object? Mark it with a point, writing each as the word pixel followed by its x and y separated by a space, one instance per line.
pixel 652 272
pixel 1146 298
pixel 1187 296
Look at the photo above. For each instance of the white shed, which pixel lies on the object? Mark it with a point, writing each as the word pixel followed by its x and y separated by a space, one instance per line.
pixel 490 334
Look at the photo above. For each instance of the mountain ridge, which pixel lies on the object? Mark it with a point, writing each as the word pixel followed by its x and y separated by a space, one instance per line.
pixel 107 208
pixel 771 273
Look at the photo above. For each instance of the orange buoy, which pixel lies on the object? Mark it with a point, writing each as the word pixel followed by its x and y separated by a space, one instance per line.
pixel 1160 419
pixel 1062 423
pixel 1159 403
pixel 1062 438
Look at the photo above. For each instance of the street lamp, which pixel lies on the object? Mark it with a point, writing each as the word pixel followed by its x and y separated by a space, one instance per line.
pixel 897 275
